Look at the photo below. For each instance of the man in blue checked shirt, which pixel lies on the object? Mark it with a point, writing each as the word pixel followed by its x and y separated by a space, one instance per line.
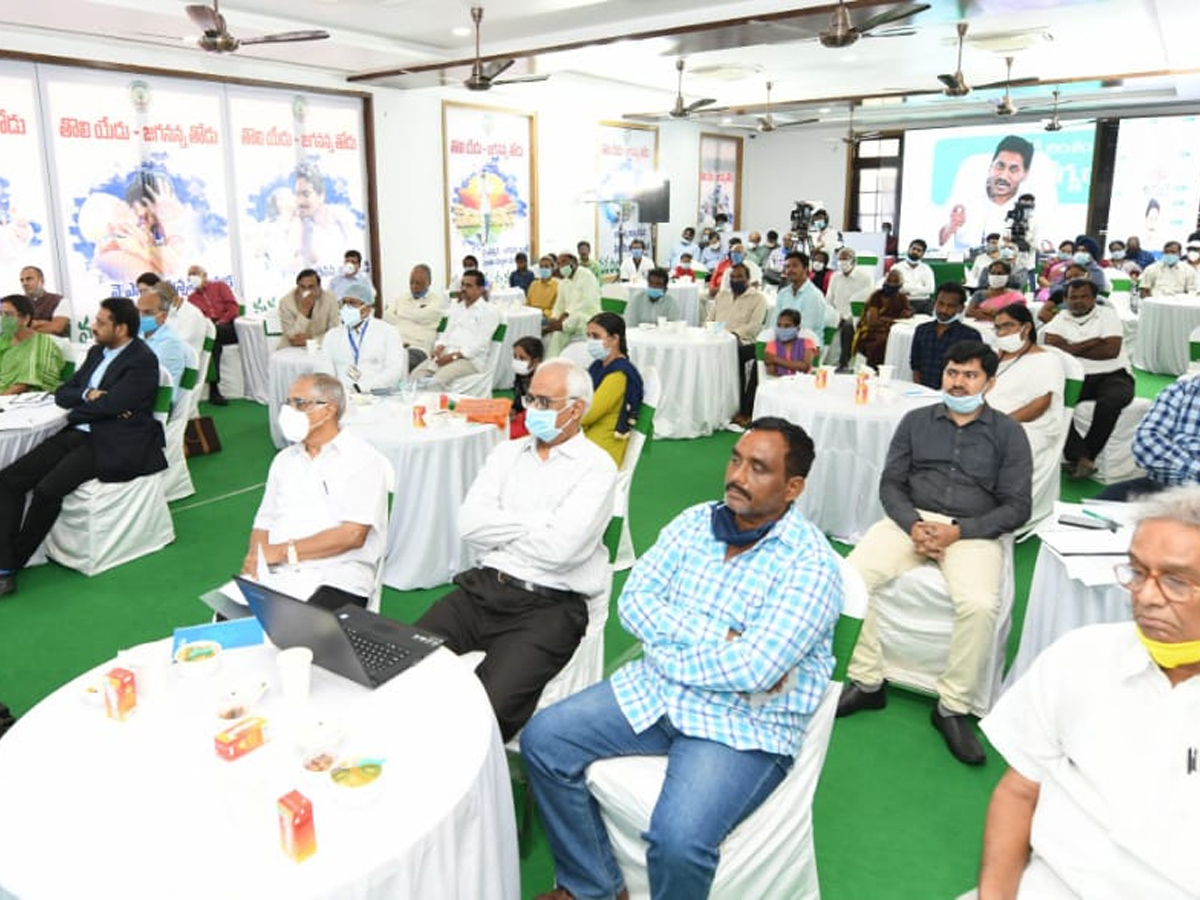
pixel 735 607
pixel 1166 443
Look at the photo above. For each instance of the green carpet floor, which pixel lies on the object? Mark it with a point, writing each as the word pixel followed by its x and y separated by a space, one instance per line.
pixel 895 815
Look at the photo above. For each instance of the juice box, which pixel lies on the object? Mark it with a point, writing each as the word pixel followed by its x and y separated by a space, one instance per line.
pixel 418 414
pixel 297 831
pixel 241 737
pixel 120 693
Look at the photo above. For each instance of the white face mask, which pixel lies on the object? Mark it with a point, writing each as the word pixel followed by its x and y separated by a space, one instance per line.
pixel 997 281
pixel 351 315
pixel 1010 343
pixel 195 281
pixel 349 268
pixel 293 424
pixel 520 366
pixel 846 265
pixel 1193 255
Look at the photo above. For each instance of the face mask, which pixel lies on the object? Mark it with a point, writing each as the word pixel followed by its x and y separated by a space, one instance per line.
pixel 967 403
pixel 636 253
pixel 148 325
pixel 957 317
pixel 1193 255
pixel 1010 343
pixel 1171 656
pixel 1117 255
pixel 350 316
pixel 890 290
pixel 786 334
pixel 195 281
pixel 542 424
pixel 997 281
pixel 567 271
pixel 1007 253
pixel 818 266
pixel 846 265
pixel 1063 254
pixel 820 224
pixel 714 245
pixel 725 530
pixel 520 366
pixel 544 273
pixel 1082 258
pixel 596 348
pixel 655 293
pixel 913 258
pixel 293 424
pixel 349 269
pixel 738 287
pixel 993 249
pixel 1170 259
pixel 420 295
pixel 8 326
pixel 754 245
pixel 735 257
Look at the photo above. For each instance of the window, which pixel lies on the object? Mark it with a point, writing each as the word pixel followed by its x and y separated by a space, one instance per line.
pixel 875 182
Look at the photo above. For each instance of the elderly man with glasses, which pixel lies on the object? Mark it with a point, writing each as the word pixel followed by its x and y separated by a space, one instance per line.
pixel 536 515
pixel 1101 738
pixel 323 515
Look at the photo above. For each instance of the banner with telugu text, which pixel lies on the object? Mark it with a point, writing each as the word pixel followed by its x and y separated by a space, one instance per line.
pixel 626 162
pixel 491 189
pixel 25 238
pixel 300 187
pixel 139 177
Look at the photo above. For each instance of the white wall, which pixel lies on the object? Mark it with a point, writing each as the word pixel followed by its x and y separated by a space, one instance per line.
pixel 805 163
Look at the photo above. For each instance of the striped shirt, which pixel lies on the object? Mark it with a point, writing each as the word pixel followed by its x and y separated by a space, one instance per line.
pixel 1167 442
pixel 783 596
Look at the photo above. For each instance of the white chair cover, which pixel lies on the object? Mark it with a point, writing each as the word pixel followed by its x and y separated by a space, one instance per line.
pixel 770 854
pixel 177 480
pixel 376 598
pixel 915 618
pixel 106 524
pixel 480 383
pixel 1115 462
pixel 577 352
pixel 651 393
pixel 205 354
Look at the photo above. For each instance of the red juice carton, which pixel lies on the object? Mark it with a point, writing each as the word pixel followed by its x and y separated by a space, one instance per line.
pixel 297 831
pixel 418 414
pixel 120 693
pixel 241 737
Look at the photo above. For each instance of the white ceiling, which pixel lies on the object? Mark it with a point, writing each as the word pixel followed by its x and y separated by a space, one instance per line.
pixel 1061 40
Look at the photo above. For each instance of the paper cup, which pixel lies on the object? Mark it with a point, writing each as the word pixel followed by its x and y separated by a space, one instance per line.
pixel 295 674
pixel 312 345
pixel 662 321
pixel 885 375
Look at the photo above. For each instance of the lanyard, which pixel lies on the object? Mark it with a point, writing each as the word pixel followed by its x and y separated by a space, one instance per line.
pixel 356 345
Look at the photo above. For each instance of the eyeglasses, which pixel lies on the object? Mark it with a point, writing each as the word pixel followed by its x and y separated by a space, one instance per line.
pixel 1174 588
pixel 304 404
pixel 534 402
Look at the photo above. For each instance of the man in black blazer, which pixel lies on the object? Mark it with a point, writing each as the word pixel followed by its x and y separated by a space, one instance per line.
pixel 111 434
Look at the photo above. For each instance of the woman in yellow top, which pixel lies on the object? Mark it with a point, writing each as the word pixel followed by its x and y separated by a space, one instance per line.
pixel 544 290
pixel 29 360
pixel 618 398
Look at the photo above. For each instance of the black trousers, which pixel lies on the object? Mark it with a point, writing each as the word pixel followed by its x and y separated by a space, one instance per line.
pixel 747 383
pixel 1112 392
pixel 528 638
pixel 51 471
pixel 226 334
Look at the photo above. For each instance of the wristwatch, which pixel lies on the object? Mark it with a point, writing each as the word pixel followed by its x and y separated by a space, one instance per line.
pixel 293 557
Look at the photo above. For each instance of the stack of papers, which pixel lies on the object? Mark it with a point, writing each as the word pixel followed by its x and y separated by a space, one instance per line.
pixel 29 410
pixel 1087 554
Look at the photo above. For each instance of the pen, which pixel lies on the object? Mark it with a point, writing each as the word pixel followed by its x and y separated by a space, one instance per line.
pixel 1112 526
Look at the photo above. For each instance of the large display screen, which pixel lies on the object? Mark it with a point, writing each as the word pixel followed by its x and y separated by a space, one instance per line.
pixel 959 184
pixel 1156 180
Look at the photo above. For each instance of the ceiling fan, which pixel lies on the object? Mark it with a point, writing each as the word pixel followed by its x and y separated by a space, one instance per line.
pixel 217 39
pixel 682 110
pixel 956 85
pixel 843 32
pixel 852 137
pixel 484 75
pixel 1006 107
pixel 766 123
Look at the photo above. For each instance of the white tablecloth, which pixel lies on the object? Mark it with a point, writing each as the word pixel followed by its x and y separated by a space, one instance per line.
pixel 256 349
pixel 1164 327
pixel 841 493
pixel 145 808
pixel 284 366
pixel 24 427
pixel 434 468
pixel 522 321
pixel 505 297
pixel 686 294
pixel 699 376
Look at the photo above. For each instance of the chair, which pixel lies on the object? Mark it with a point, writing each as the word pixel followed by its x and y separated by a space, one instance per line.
pixel 204 357
pixel 613 305
pixel 106 524
pixel 915 618
pixel 389 473
pixel 1047 487
pixel 577 352
pixel 639 440
pixel 770 854
pixel 177 480
pixel 479 384
pixel 1194 347
pixel 1115 462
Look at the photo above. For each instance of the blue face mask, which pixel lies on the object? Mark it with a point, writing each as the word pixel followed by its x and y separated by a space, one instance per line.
pixel 636 252
pixel 544 273
pixel 148 325
pixel 1063 254
pixel 542 424
pixel 420 295
pixel 957 317
pixel 1170 259
pixel 967 403
pixel 1007 253
pixel 736 257
pixel 786 334
pixel 1082 258
pixel 596 348
pixel 655 293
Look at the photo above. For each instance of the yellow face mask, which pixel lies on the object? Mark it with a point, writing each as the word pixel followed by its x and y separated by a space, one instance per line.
pixel 1171 656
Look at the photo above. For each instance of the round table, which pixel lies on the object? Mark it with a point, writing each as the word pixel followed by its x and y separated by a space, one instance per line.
pixel 1165 326
pixel 522 321
pixel 434 468
pixel 284 367
pixel 698 371
pixel 145 808
pixel 841 493
pixel 255 347
pixel 686 294
pixel 24 426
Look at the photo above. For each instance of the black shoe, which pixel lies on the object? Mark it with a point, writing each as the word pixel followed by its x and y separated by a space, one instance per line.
pixel 215 397
pixel 960 738
pixel 8 584
pixel 855 699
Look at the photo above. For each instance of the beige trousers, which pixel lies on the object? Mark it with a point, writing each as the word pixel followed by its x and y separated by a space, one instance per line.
pixel 443 375
pixel 972 572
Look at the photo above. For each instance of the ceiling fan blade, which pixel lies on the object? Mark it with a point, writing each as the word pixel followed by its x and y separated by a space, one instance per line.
pixel 1016 82
pixel 903 11
pixel 692 107
pixel 286 37
pixel 205 18
pixel 522 79
pixel 950 81
pixel 496 67
pixel 796 123
pixel 903 31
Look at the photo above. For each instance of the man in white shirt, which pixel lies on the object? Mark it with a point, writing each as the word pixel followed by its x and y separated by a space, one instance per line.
pixel 536 513
pixel 323 515
pixel 822 236
pixel 687 244
pixel 1168 276
pixel 1101 740
pixel 416 315
pixel 776 257
pixel 1093 335
pixel 917 276
pixel 366 354
pixel 637 264
pixel 307 311
pixel 982 261
pixel 469 264
pixel 851 283
pixel 577 301
pixel 463 348
pixel 351 273
pixel 1192 257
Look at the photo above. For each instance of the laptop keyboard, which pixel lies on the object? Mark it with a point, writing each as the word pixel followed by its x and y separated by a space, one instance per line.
pixel 376 656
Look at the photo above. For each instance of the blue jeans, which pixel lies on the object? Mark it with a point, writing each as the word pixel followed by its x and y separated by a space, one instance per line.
pixel 709 789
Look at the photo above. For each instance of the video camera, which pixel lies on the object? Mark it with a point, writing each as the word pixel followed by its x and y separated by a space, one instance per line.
pixel 802 217
pixel 1018 222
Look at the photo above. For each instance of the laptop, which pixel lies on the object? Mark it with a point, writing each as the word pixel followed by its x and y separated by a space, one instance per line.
pixel 356 644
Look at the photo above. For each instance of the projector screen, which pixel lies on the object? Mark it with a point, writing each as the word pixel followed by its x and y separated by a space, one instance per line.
pixel 960 183
pixel 1156 180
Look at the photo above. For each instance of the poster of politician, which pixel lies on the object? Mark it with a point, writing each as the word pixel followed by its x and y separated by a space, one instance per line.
pixel 626 164
pixel 720 178
pixel 960 184
pixel 1156 180
pixel 491 186
pixel 24 211
pixel 139 174
pixel 300 186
